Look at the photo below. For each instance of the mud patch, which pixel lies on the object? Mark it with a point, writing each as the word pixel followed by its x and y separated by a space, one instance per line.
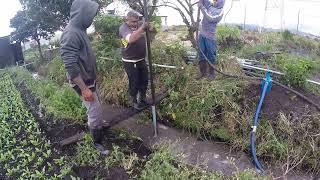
pixel 88 172
pixel 281 100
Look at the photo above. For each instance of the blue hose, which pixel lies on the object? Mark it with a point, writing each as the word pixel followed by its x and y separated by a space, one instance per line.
pixel 266 87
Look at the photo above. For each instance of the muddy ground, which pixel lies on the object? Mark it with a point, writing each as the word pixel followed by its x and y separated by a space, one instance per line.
pixel 56 130
pixel 281 100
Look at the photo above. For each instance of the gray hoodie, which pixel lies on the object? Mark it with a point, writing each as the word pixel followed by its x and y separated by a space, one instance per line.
pixel 212 15
pixel 76 50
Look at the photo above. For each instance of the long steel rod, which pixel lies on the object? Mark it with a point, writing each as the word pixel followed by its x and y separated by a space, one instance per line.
pixel 149 57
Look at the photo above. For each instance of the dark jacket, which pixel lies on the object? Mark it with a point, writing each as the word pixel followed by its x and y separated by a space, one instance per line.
pixel 76 50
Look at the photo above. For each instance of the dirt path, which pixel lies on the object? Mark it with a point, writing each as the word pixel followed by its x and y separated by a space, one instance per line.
pixel 207 154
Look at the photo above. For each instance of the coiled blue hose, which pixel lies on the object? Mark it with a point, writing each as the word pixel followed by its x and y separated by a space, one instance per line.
pixel 266 87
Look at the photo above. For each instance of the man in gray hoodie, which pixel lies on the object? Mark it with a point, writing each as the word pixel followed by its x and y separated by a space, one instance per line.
pixel 212 11
pixel 80 63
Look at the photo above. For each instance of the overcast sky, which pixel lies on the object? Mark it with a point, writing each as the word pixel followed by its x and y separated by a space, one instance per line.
pixel 7 11
pixel 255 14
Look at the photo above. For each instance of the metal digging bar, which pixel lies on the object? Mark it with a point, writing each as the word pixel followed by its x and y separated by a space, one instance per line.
pixel 149 57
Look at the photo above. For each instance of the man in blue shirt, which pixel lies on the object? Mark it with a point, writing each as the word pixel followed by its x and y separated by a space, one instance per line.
pixel 212 11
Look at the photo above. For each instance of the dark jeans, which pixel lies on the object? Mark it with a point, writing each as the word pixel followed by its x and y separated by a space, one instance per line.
pixel 209 48
pixel 138 77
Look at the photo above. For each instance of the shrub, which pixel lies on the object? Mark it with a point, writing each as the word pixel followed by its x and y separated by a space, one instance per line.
pixel 108 28
pixel 157 22
pixel 229 36
pixel 55 43
pixel 86 153
pixel 296 68
pixel 56 71
pixel 306 44
pixel 287 35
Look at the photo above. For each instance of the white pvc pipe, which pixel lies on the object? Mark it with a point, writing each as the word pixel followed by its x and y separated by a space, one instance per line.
pixel 275 72
pixel 154 120
pixel 262 69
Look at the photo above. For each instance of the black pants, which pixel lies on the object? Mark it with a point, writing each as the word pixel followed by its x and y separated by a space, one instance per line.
pixel 138 77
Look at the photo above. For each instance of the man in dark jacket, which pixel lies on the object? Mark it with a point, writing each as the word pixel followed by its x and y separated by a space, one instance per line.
pixel 80 63
pixel 133 56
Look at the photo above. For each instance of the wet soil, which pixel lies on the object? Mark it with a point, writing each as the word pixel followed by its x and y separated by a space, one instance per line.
pixel 56 130
pixel 280 100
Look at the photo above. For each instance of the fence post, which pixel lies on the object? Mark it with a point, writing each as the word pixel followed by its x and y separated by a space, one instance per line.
pixel 281 15
pixel 245 16
pixel 298 20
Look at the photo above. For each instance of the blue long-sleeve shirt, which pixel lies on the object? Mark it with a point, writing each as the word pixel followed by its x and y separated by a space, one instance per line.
pixel 212 15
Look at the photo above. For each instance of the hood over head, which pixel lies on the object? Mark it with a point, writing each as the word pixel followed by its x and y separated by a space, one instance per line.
pixel 82 13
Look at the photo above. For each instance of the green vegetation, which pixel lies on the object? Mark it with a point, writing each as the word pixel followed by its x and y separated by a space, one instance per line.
pixel 24 152
pixel 108 29
pixel 86 154
pixel 287 35
pixel 229 37
pixel 55 71
pixel 62 101
pixel 164 165
pixel 220 110
pixel 297 69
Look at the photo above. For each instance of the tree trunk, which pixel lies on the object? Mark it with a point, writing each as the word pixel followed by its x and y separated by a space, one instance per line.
pixel 191 37
pixel 39 49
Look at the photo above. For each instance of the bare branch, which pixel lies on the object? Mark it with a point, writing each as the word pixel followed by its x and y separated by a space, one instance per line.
pixel 184 6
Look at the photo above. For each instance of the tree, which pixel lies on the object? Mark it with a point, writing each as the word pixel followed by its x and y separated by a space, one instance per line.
pixel 137 5
pixel 186 9
pixel 41 19
pixel 54 12
pixel 27 27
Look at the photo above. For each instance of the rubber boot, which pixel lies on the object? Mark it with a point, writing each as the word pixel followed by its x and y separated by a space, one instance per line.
pixel 211 74
pixel 202 69
pixel 97 136
pixel 135 103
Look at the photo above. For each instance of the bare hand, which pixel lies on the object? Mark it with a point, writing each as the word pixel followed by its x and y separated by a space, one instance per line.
pixel 200 4
pixel 144 26
pixel 87 95
pixel 151 28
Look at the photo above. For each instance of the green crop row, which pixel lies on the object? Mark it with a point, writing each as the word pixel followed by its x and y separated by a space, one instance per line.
pixel 61 101
pixel 24 152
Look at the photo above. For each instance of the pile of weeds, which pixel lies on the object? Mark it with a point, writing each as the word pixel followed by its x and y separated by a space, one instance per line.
pixel 287 126
pixel 220 109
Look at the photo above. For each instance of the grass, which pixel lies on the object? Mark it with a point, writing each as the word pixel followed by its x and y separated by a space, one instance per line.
pixel 160 165
pixel 163 164
pixel 62 101
pixel 219 109
pixel 24 152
